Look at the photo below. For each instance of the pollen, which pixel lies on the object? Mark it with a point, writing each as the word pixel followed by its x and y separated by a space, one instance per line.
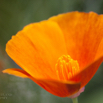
pixel 66 67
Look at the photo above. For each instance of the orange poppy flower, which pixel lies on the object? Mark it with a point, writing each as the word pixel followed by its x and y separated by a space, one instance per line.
pixel 60 54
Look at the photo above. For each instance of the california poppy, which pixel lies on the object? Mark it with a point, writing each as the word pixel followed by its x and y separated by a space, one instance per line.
pixel 60 54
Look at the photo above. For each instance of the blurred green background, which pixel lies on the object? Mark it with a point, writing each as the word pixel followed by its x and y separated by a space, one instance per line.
pixel 14 15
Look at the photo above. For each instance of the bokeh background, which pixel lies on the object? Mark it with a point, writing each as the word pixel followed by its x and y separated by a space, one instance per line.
pixel 14 15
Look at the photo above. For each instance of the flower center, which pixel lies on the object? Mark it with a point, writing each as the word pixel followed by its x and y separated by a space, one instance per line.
pixel 66 67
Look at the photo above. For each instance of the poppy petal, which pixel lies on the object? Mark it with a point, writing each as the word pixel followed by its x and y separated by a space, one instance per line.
pixel 16 72
pixel 100 50
pixel 83 34
pixel 37 47
pixel 87 73
pixel 58 88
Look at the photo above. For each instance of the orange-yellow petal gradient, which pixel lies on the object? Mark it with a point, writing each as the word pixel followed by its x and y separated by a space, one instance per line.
pixel 37 47
pixel 87 73
pixel 58 88
pixel 83 33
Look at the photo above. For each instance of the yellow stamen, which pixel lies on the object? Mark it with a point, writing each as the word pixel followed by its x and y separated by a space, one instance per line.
pixel 66 67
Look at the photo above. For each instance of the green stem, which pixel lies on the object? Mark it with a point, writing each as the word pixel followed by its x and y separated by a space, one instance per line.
pixel 75 100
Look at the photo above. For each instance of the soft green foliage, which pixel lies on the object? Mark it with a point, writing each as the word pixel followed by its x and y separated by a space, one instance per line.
pixel 14 15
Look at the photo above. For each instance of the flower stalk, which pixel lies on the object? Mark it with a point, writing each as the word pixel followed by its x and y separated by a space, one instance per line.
pixel 75 100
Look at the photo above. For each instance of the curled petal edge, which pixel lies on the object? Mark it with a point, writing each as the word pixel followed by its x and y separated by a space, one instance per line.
pixel 58 88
